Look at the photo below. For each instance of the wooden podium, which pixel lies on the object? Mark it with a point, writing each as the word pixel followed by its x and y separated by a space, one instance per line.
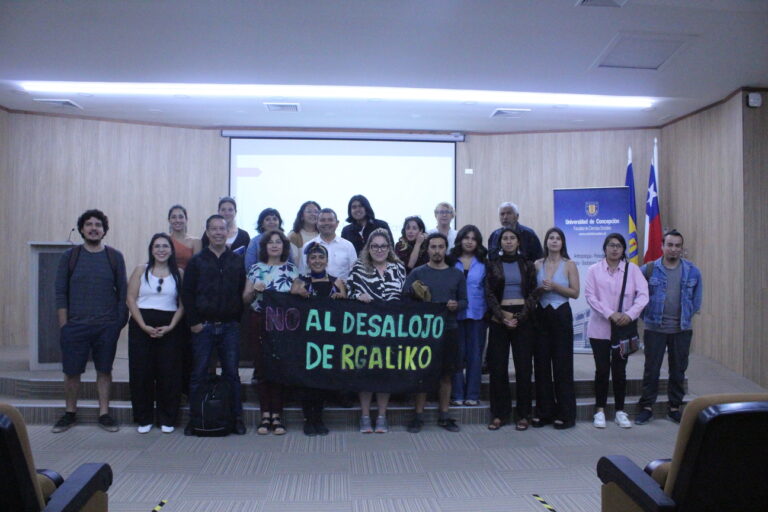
pixel 44 349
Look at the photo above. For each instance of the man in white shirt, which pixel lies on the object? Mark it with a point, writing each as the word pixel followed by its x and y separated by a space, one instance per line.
pixel 444 214
pixel 341 252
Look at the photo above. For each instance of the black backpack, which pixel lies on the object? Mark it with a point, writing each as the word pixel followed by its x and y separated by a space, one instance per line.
pixel 216 410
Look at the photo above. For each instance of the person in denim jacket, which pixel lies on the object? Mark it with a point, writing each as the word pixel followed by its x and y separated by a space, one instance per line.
pixel 675 289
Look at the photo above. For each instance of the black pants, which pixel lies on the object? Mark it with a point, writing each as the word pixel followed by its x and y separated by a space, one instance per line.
pixel 678 346
pixel 499 341
pixel 609 363
pixel 312 403
pixel 270 393
pixel 154 370
pixel 553 364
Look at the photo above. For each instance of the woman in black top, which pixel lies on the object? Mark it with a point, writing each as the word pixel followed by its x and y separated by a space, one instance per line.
pixel 362 222
pixel 317 284
pixel 237 239
pixel 509 285
pixel 411 248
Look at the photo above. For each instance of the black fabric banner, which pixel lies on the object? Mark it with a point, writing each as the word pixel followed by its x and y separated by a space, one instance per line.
pixel 323 343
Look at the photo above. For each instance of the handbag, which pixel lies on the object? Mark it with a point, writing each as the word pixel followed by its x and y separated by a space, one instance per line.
pixel 625 337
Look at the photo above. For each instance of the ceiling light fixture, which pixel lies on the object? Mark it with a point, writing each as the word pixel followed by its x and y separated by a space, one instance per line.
pixel 338 92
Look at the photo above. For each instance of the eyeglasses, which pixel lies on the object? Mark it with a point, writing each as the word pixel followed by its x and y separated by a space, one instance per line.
pixel 160 285
pixel 443 212
pixel 375 247
pixel 614 246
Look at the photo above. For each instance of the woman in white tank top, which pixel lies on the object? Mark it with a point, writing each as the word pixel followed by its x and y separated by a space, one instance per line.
pixel 154 341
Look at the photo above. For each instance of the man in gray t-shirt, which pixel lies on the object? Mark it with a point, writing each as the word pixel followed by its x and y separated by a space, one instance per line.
pixel 675 290
pixel 90 302
pixel 446 285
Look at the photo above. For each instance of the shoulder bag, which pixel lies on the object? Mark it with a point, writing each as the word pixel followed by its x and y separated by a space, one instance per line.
pixel 625 336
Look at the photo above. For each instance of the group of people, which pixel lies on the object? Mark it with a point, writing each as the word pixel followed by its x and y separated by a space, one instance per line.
pixel 194 294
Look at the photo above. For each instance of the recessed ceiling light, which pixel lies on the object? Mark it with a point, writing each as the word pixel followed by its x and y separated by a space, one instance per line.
pixel 341 93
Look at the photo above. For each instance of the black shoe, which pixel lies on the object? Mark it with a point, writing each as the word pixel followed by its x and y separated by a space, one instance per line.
pixel 239 427
pixel 108 423
pixel 309 429
pixel 189 430
pixel 65 422
pixel 675 415
pixel 449 424
pixel 540 422
pixel 643 417
pixel 564 425
pixel 414 427
pixel 320 428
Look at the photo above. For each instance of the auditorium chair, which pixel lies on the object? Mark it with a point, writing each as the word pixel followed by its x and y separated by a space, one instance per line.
pixel 25 489
pixel 720 462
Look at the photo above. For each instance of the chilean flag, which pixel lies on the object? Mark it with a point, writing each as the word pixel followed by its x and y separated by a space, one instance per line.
pixel 652 214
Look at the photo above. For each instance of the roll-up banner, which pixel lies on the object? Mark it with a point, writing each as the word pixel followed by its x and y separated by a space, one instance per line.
pixel 586 216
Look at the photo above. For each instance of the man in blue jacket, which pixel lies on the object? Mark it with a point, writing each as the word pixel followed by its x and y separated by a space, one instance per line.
pixel 675 289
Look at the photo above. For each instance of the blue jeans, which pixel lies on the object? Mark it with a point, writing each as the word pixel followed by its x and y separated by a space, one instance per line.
pixel 471 343
pixel 225 338
pixel 678 346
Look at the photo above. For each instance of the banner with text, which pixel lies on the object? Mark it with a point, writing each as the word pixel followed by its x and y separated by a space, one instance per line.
pixel 323 343
pixel 586 216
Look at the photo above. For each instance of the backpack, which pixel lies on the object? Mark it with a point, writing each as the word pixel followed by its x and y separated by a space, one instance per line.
pixel 216 410
pixel 75 254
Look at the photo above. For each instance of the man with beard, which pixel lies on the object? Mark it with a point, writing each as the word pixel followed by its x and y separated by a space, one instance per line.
pixel 448 286
pixel 675 290
pixel 90 300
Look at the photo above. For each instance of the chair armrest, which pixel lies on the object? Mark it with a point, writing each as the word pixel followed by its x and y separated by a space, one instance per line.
pixel 79 487
pixel 51 475
pixel 641 488
pixel 651 466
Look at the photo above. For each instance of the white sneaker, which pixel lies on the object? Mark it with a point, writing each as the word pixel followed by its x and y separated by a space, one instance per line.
pixel 599 420
pixel 144 429
pixel 622 420
pixel 167 429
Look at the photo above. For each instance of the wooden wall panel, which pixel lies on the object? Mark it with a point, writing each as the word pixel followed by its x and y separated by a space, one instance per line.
pixel 755 124
pixel 702 187
pixel 58 167
pixel 524 168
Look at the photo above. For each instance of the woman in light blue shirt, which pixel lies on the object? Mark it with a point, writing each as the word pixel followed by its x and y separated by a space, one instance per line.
pixel 558 280
pixel 470 254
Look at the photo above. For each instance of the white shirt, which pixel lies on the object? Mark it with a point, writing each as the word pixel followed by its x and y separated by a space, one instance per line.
pixel 341 257
pixel 451 236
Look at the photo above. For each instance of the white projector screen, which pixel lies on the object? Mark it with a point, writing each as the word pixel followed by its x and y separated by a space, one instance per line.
pixel 398 178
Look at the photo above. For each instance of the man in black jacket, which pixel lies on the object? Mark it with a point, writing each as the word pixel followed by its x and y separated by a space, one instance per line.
pixel 530 246
pixel 212 295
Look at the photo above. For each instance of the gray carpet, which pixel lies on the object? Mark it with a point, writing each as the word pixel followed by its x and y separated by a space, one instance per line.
pixel 474 470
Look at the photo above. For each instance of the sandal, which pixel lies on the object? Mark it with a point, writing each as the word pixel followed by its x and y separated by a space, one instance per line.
pixel 522 424
pixel 277 427
pixel 264 426
pixel 540 422
pixel 495 424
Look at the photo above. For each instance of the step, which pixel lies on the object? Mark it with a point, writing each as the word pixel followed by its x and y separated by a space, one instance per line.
pixel 53 388
pixel 44 412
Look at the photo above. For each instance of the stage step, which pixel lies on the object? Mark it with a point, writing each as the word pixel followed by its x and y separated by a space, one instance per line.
pixel 46 411
pixel 53 388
